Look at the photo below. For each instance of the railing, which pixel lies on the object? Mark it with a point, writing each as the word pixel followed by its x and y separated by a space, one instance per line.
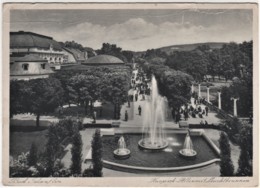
pixel 220 112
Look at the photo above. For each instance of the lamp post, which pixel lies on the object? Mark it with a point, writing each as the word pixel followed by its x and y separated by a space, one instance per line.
pixel 235 105
pixel 219 100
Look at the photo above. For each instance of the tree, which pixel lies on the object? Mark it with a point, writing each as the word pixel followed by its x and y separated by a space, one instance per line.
pixel 38 96
pixel 72 44
pixel 76 152
pixel 242 89
pixel 97 154
pixel 246 153
pixel 112 49
pixel 33 155
pixel 20 100
pixel 85 89
pixel 46 97
pixel 128 55
pixel 175 85
pixel 58 135
pixel 52 148
pixel 192 62
pixel 226 165
pixel 213 64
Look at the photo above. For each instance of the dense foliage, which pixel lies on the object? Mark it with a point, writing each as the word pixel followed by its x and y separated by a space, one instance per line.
pixel 97 154
pixel 246 154
pixel 112 49
pixel 232 60
pixel 241 133
pixel 175 85
pixel 83 87
pixel 33 155
pixel 72 44
pixel 243 90
pixel 34 164
pixel 76 152
pixel 226 165
pixel 37 96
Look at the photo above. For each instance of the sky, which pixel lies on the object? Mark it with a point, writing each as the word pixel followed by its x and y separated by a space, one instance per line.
pixel 137 30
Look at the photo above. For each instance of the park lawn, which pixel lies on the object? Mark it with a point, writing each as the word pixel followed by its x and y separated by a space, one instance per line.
pixel 21 141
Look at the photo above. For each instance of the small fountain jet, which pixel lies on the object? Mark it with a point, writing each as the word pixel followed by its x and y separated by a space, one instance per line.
pixel 188 150
pixel 121 152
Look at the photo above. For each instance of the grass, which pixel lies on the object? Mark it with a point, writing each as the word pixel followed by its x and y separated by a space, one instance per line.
pixel 22 141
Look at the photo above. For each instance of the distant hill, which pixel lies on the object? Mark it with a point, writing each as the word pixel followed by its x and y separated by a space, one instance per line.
pixel 187 47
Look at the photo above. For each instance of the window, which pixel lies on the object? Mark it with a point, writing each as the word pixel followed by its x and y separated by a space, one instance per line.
pixel 43 65
pixel 25 66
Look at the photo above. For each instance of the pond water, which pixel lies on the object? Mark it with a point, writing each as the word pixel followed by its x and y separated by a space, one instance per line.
pixel 168 157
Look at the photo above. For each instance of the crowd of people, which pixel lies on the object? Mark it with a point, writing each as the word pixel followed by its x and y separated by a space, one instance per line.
pixel 140 85
pixel 188 110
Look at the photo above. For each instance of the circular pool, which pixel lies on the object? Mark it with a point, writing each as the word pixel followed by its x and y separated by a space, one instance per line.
pixel 167 159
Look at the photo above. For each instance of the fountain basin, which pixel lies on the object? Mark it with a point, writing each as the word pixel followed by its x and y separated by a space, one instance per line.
pixel 122 153
pixel 188 153
pixel 167 159
pixel 146 144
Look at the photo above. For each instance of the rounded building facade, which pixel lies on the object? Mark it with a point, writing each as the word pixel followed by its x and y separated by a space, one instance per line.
pixel 29 67
pixel 25 43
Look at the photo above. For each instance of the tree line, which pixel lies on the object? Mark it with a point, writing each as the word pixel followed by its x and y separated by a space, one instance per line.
pixel 232 60
pixel 174 85
pixel 42 96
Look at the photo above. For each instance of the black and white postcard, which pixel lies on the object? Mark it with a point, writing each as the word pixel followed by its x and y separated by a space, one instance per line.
pixel 130 94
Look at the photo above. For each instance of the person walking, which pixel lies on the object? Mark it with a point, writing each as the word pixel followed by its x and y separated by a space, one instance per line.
pixel 94 116
pixel 126 116
pixel 136 97
pixel 207 110
pixel 140 110
pixel 100 111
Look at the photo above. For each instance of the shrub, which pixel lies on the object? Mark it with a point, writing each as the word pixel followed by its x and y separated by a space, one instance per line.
pixel 226 165
pixel 88 173
pixel 97 154
pixel 246 154
pixel 33 155
pixel 76 153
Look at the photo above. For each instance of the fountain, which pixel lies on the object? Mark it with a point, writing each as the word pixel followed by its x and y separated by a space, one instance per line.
pixel 121 152
pixel 187 150
pixel 153 137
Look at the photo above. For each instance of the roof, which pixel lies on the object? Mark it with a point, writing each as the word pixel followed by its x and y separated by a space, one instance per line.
pixel 77 54
pixel 104 59
pixel 27 58
pixel 34 68
pixel 23 39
